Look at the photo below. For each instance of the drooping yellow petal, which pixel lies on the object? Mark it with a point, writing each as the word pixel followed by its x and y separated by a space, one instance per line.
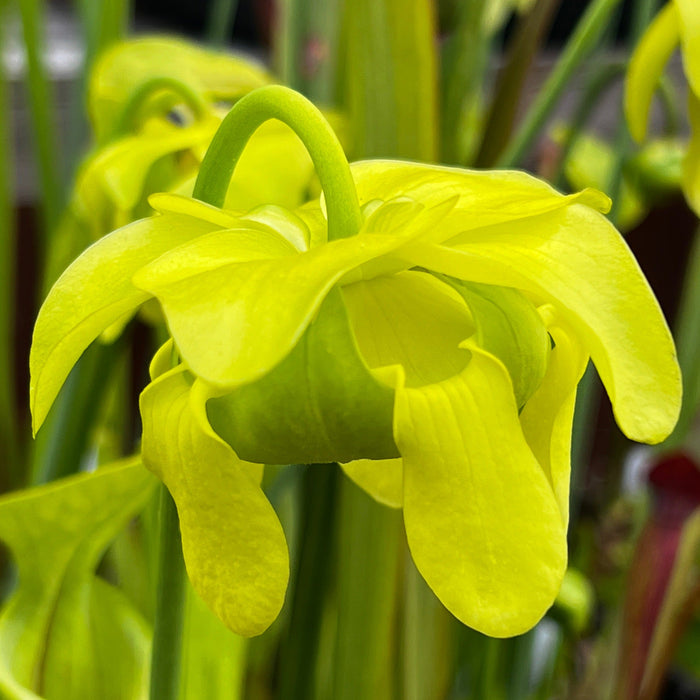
pixel 92 294
pixel 547 417
pixel 576 260
pixel 380 478
pixel 481 519
pixel 232 325
pixel 647 66
pixel 234 548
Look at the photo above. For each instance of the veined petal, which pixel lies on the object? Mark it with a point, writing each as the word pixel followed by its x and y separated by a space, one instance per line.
pixel 575 259
pixel 691 164
pixel 232 541
pixel 410 319
pixel 92 294
pixel 481 519
pixel 482 197
pixel 231 323
pixel 647 66
pixel 689 15
pixel 380 478
pixel 547 417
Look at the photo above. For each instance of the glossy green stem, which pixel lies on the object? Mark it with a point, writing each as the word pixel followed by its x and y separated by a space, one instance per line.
pixel 278 102
pixel 301 649
pixel 588 32
pixel 42 117
pixel 603 79
pixel 64 438
pixel 369 563
pixel 170 605
pixel 509 84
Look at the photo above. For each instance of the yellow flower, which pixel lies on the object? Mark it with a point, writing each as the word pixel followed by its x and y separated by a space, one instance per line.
pixel 426 326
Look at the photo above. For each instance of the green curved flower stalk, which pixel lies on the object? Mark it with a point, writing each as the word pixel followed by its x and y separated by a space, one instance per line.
pixel 678 22
pixel 425 326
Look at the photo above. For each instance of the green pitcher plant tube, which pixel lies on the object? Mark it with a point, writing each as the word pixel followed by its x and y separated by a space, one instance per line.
pixel 424 326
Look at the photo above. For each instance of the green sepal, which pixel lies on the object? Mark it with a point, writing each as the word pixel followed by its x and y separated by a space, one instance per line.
pixel 320 404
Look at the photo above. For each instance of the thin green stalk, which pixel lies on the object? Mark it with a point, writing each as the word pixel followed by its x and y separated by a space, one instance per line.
pixel 220 21
pixel 277 102
pixel 64 438
pixel 170 605
pixel 584 39
pixel 42 116
pixel 602 80
pixel 429 633
pixel 370 538
pixel 312 580
pixel 103 23
pixel 9 433
pixel 462 71
pixel 687 335
pixel 502 112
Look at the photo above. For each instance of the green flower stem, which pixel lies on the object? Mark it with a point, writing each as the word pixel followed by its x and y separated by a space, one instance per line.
pixel 8 426
pixel 584 39
pixel 502 112
pixel 369 564
pixel 602 80
pixel 687 335
pixel 170 605
pixel 299 655
pixel 462 72
pixel 43 119
pixel 277 102
pixel 220 21
pixel 131 112
pixel 429 636
pixel 64 437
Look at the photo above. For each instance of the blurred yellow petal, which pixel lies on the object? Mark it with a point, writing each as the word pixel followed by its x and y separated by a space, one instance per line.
pixel 234 548
pixel 691 164
pixel 647 66
pixel 481 519
pixel 689 15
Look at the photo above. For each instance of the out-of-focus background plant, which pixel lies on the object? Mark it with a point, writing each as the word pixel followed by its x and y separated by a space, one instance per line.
pixel 90 126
